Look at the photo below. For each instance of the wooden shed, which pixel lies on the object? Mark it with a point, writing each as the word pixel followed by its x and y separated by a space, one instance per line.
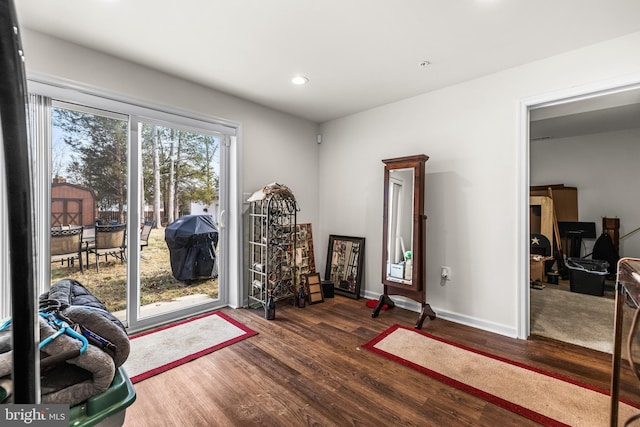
pixel 72 204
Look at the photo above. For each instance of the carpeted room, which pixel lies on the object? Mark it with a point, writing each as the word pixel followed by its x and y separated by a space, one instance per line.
pixel 586 216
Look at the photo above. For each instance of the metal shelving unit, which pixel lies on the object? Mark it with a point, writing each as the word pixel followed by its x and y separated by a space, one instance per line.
pixel 272 246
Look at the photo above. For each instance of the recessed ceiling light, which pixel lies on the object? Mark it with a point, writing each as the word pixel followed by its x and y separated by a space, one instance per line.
pixel 299 80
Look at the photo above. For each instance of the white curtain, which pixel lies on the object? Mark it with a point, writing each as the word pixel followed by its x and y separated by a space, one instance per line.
pixel 40 147
pixel 39 116
pixel 5 277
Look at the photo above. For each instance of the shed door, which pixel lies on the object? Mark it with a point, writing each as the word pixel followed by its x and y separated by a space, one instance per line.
pixel 66 212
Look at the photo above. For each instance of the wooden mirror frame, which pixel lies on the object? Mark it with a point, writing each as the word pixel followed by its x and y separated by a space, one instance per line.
pixel 413 288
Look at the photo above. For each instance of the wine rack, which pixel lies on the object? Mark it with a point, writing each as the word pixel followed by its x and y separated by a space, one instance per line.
pixel 272 246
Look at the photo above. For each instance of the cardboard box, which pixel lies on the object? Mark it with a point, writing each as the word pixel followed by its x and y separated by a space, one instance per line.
pixel 397 270
pixel 541 216
pixel 565 200
pixel 536 267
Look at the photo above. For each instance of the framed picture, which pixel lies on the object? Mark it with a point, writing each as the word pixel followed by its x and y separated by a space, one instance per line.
pixel 305 259
pixel 345 258
pixel 314 288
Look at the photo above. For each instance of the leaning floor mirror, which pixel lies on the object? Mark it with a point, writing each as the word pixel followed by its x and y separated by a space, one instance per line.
pixel 345 257
pixel 403 233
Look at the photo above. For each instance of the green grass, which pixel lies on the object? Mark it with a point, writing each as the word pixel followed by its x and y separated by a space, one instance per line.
pixel 157 283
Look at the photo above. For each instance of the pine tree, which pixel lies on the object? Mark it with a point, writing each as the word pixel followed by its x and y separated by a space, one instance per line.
pixel 99 159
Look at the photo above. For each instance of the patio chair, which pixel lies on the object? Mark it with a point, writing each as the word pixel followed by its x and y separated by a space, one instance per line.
pixel 66 245
pixel 144 234
pixel 109 240
pixel 88 240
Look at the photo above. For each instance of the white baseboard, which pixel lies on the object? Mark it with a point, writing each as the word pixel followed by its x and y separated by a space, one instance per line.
pixel 474 322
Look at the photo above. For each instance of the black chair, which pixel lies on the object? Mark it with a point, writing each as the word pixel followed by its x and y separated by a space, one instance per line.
pixel 145 233
pixel 539 244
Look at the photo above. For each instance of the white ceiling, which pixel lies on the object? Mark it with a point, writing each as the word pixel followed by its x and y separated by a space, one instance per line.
pixel 606 113
pixel 358 54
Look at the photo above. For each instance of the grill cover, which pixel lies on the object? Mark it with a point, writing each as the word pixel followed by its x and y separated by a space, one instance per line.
pixel 192 240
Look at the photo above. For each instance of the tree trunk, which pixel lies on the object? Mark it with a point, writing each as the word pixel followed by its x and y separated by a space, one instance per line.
pixel 171 201
pixel 177 176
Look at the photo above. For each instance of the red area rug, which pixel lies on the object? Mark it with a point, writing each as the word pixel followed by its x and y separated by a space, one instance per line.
pixel 373 303
pixel 541 396
pixel 164 348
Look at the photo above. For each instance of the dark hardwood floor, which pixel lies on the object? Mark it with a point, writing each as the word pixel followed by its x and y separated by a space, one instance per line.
pixel 306 368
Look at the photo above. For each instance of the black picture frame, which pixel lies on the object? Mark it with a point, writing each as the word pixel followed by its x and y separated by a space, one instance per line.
pixel 344 266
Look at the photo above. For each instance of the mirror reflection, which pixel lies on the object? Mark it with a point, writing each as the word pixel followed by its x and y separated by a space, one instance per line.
pixel 400 225
pixel 345 257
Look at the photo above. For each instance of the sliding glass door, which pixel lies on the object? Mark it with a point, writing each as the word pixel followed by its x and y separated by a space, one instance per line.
pixel 122 180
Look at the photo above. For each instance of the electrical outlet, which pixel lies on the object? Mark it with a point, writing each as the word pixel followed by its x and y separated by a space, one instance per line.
pixel 445 273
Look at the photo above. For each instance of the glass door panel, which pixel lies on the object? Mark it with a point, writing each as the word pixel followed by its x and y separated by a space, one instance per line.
pixel 89 201
pixel 179 218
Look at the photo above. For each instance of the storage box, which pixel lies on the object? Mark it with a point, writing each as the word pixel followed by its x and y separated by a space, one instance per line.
pixel 565 200
pixel 536 267
pixel 397 270
pixel 586 276
pixel 106 409
pixel 327 288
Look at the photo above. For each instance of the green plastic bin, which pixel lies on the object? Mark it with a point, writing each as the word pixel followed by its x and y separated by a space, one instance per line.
pixel 108 408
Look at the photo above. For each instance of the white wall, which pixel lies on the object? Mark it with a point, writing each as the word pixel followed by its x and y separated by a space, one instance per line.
pixel 273 146
pixel 471 133
pixel 604 169
pixel 271 140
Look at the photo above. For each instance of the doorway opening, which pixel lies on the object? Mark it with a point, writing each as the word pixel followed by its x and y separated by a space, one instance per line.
pixel 578 139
